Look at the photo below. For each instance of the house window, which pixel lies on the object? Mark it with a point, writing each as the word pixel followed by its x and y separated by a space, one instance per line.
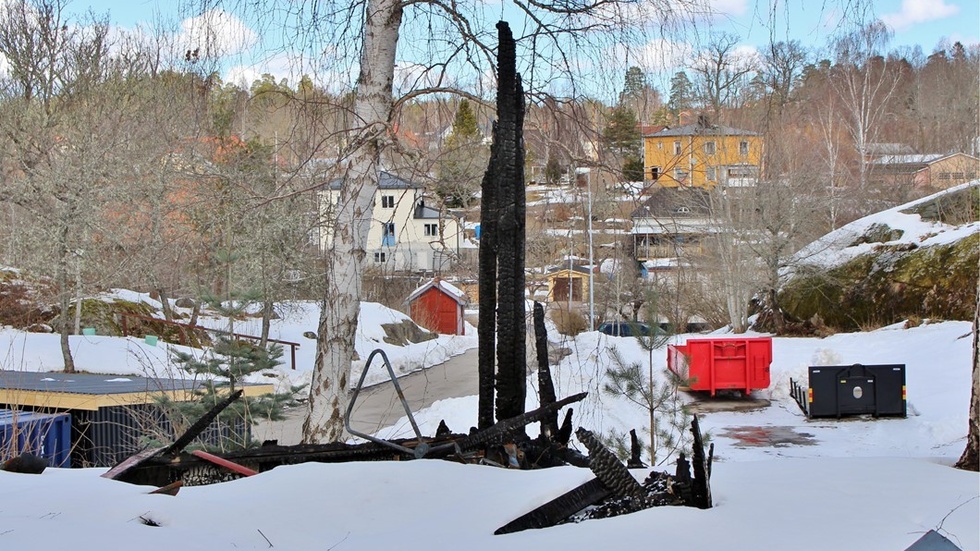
pixel 677 147
pixel 380 258
pixel 431 230
pixel 957 175
pixel 709 148
pixel 654 172
pixel 388 234
pixel 387 201
pixel 743 147
pixel 680 175
pixel 944 175
pixel 660 145
pixel 711 174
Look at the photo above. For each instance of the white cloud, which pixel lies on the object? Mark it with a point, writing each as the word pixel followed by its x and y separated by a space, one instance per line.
pixel 919 11
pixel 216 33
pixel 664 55
pixel 733 8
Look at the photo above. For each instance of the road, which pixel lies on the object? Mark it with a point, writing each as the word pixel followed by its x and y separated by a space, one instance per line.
pixel 378 406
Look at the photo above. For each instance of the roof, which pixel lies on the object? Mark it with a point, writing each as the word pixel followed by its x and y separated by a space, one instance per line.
pixel 386 180
pixel 442 285
pixel 876 149
pixel 933 541
pixel 423 211
pixel 699 130
pixel 91 391
pixel 923 159
pixel 674 203
pixel 584 270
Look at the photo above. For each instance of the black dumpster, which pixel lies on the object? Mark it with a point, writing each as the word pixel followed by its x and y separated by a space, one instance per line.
pixel 838 390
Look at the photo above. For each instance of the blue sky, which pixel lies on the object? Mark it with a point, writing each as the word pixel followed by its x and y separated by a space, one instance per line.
pixel 916 23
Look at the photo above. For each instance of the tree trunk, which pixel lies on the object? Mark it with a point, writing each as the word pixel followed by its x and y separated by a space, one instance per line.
pixel 64 290
pixel 168 313
pixel 970 460
pixel 373 107
pixel 267 309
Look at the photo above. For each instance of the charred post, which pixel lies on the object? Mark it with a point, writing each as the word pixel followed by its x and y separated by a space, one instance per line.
pixel 546 387
pixel 511 381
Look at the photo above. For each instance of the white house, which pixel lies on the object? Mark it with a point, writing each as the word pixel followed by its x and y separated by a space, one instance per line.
pixel 407 232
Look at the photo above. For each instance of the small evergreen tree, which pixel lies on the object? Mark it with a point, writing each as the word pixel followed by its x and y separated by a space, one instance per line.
pixel 668 418
pixel 633 169
pixel 224 367
pixel 552 171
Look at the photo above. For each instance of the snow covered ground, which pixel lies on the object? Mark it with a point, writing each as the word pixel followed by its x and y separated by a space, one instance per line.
pixel 851 484
pixel 132 356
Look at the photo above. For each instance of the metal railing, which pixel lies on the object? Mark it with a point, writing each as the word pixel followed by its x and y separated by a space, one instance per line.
pixel 184 329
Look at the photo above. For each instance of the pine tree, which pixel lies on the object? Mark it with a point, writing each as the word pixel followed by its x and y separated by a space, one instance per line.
pixel 681 93
pixel 668 419
pixel 224 367
pixel 622 133
pixel 463 160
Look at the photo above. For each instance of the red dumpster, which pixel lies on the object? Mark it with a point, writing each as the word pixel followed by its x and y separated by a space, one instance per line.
pixel 722 364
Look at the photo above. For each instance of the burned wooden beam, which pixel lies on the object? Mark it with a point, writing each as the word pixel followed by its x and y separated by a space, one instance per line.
pixel 635 450
pixel 198 427
pixel 546 387
pixel 608 468
pixel 701 486
pixel 558 509
pixel 502 431
pixel 124 469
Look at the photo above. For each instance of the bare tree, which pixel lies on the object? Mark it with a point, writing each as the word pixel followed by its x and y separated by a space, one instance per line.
pixel 865 83
pixel 721 75
pixel 63 120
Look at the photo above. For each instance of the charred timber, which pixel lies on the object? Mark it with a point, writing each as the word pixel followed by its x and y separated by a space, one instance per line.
pixel 511 381
pixel 546 387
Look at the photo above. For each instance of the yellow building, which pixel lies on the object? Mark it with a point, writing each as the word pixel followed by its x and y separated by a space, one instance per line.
pixel 699 155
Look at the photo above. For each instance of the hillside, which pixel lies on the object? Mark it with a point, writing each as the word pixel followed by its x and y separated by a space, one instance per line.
pixel 915 261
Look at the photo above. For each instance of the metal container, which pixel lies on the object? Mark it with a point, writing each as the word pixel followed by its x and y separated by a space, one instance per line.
pixel 722 364
pixel 42 434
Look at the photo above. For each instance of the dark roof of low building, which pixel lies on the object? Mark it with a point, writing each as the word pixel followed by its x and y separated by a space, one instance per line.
pixel 701 130
pixel 386 180
pixel 88 383
pixel 674 203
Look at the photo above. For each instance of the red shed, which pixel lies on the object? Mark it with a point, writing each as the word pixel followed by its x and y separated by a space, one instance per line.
pixel 438 306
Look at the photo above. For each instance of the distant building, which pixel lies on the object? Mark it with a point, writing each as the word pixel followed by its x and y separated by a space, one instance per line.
pixel 407 232
pixel 935 171
pixel 439 306
pixel 702 155
pixel 671 223
pixel 569 284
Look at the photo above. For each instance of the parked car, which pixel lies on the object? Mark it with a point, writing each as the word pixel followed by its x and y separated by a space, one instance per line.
pixel 628 329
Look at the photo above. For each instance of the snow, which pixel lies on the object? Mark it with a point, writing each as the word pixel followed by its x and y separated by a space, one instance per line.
pixel 855 483
pixel 839 246
pixel 133 356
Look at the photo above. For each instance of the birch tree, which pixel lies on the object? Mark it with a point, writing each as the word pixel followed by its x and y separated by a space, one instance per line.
pixel 558 36
pixel 865 84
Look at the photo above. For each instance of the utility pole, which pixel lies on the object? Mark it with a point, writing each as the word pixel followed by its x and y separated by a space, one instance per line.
pixel 588 180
